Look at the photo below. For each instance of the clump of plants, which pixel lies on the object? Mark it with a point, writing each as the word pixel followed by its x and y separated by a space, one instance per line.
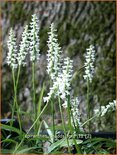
pixel 69 138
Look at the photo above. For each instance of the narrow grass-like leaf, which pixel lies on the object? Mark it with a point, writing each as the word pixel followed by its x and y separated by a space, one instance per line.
pixel 25 150
pixel 9 140
pixel 40 100
pixel 96 140
pixel 6 151
pixel 54 145
pixel 41 137
pixel 49 132
pixel 10 128
pixel 71 143
pixel 39 105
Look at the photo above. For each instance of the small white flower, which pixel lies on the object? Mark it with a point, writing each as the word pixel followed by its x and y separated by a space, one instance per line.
pixel 65 104
pixel 66 77
pixel 53 91
pixel 89 63
pixel 34 39
pixel 23 47
pixel 61 86
pixel 46 99
pixel 96 111
pixel 12 53
pixel 104 109
pixel 76 113
pixel 53 55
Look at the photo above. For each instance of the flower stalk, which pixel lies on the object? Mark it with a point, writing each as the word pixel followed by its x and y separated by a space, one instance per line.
pixel 89 72
pixel 63 123
pixel 34 56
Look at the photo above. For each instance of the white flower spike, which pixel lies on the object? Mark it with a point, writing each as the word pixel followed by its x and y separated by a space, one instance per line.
pixel 89 63
pixel 54 54
pixel 12 47
pixel 76 113
pixel 61 86
pixel 104 109
pixel 34 39
pixel 23 51
pixel 66 77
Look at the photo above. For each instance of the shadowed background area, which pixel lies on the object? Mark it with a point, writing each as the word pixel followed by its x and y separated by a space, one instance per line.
pixel 78 24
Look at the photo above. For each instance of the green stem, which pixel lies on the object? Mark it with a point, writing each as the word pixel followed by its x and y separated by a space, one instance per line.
pixel 15 103
pixel 63 123
pixel 33 92
pixel 17 106
pixel 70 125
pixel 88 104
pixel 13 109
pixel 31 128
pixel 18 74
pixel 53 123
pixel 89 120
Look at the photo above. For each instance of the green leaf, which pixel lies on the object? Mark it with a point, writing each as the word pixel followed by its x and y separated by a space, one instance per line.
pixel 9 140
pixel 40 100
pixel 54 145
pixel 112 144
pixel 6 151
pixel 25 150
pixel 10 128
pixel 96 140
pixel 49 132
pixel 71 142
pixel 62 143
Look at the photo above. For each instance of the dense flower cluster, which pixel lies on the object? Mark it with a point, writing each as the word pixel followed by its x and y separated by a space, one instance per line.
pixel 104 109
pixel 61 86
pixel 34 39
pixel 61 76
pixel 29 43
pixel 65 78
pixel 53 55
pixel 12 47
pixel 59 73
pixel 76 113
pixel 89 64
pixel 23 51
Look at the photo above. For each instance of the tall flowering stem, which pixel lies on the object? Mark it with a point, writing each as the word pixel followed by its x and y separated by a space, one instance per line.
pixel 63 123
pixel 60 72
pixel 23 51
pixel 53 67
pixel 15 59
pixel 72 130
pixel 12 62
pixel 34 54
pixel 89 72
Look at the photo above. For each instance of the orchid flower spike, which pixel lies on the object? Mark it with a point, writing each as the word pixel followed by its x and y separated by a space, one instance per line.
pixel 12 53
pixel 34 39
pixel 89 63
pixel 23 51
pixel 54 54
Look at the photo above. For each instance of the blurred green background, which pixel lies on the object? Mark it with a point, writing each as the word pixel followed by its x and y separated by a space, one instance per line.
pixel 78 24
